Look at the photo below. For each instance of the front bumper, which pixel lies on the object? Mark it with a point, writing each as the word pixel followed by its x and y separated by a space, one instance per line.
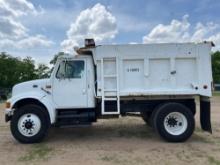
pixel 8 114
pixel 7 118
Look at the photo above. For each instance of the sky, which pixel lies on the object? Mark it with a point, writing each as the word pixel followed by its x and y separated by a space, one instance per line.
pixel 41 28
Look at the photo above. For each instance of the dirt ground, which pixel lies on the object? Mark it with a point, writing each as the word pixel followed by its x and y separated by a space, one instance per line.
pixel 124 141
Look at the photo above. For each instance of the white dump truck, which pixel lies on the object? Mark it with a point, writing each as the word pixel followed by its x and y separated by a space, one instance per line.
pixel 158 82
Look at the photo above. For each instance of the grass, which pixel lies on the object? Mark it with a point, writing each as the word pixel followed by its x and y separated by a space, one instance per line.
pixel 121 160
pixel 114 159
pixel 107 158
pixel 142 132
pixel 37 152
pixel 200 138
pixel 182 155
pixel 216 93
pixel 214 161
pixel 2 101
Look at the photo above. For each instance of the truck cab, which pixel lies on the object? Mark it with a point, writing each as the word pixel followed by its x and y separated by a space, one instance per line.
pixel 72 83
pixel 158 82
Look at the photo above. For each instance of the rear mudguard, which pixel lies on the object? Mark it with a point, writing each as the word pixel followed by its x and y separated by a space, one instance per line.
pixel 205 114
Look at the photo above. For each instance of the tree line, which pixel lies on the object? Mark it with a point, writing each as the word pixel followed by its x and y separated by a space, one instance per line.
pixel 14 70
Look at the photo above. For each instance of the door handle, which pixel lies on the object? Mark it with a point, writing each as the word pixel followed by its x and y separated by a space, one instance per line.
pixel 84 91
pixel 173 72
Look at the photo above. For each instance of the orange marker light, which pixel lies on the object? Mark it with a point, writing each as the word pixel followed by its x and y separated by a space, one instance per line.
pixel 7 105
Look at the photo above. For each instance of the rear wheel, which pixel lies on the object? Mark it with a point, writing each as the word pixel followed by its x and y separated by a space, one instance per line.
pixel 174 122
pixel 29 124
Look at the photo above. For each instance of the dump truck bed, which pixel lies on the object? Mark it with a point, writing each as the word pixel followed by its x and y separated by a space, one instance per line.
pixel 153 69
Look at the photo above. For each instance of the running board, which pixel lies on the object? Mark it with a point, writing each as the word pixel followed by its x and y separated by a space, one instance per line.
pixel 71 117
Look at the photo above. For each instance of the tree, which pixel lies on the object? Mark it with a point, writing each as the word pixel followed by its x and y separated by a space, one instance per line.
pixel 43 71
pixel 216 67
pixel 14 70
pixel 56 56
pixel 54 60
pixel 27 66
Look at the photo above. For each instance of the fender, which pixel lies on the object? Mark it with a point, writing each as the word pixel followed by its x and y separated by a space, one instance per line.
pixel 41 97
pixel 49 104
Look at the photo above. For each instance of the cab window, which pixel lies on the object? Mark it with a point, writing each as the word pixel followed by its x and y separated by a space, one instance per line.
pixel 71 69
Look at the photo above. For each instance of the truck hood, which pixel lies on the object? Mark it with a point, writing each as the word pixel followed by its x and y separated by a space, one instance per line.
pixel 29 86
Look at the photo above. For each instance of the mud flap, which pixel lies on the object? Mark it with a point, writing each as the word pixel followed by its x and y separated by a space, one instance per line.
pixel 205 114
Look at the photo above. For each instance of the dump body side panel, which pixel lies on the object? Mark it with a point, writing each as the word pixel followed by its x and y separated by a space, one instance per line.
pixel 156 69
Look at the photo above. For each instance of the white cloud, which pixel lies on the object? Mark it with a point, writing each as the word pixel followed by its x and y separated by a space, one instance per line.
pixel 203 31
pixel 16 8
pixel 12 31
pixel 216 39
pixel 175 31
pixel 95 22
pixel 6 43
pixel 28 42
pixel 9 28
pixel 182 31
pixel 35 41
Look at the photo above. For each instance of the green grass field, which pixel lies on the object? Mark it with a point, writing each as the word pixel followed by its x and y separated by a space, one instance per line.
pixel 216 93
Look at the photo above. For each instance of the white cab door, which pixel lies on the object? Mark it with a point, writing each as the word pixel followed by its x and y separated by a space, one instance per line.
pixel 69 85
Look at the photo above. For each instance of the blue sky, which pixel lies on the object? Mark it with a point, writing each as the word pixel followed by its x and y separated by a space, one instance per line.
pixel 41 28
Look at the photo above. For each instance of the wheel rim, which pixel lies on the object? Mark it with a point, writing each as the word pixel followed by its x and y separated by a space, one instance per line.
pixel 29 124
pixel 175 123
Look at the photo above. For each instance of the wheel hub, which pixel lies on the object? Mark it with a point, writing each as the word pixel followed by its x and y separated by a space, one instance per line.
pixel 175 123
pixel 172 121
pixel 29 125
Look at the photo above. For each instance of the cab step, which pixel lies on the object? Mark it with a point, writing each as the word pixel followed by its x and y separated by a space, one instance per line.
pixel 71 117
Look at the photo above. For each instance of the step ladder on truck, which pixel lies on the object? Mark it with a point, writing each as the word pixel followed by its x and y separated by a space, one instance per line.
pixel 105 89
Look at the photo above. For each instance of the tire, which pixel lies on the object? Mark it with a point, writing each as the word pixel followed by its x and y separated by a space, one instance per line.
pixel 174 122
pixel 30 124
pixel 153 115
pixel 146 117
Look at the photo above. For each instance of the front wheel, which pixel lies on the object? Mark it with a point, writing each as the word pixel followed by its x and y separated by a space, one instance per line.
pixel 174 122
pixel 29 124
